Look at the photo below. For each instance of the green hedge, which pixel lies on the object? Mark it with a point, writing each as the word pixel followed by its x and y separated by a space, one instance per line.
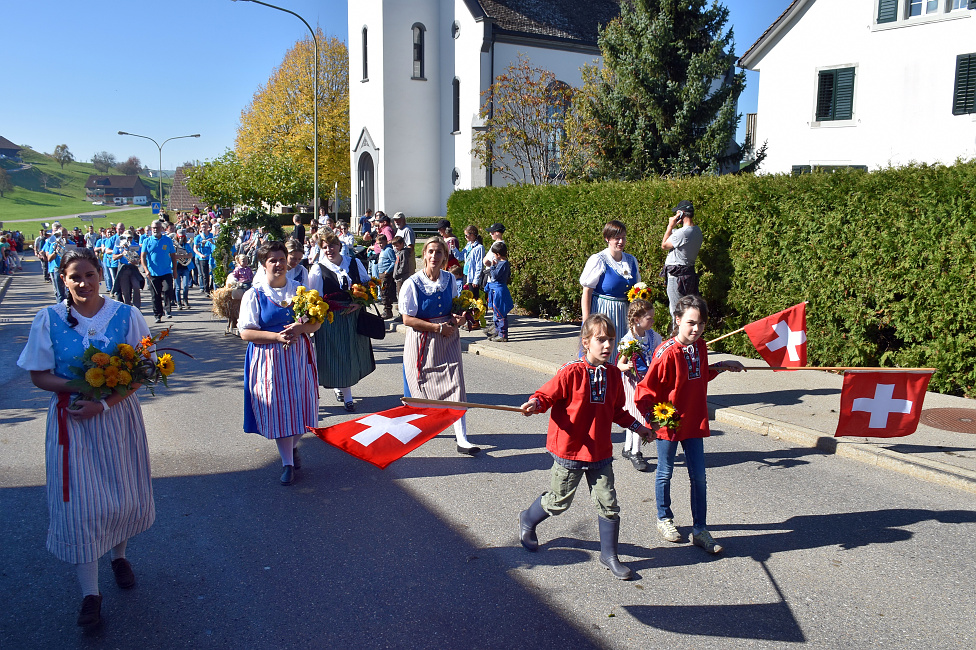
pixel 887 259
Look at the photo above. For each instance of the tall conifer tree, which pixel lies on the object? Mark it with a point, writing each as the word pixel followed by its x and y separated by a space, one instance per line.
pixel 665 101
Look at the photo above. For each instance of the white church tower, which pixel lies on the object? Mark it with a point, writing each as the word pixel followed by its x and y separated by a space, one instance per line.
pixel 417 70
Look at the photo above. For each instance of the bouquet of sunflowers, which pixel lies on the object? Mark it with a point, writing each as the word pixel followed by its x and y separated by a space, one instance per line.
pixel 309 306
pixel 100 373
pixel 367 294
pixel 639 291
pixel 473 309
pixel 664 414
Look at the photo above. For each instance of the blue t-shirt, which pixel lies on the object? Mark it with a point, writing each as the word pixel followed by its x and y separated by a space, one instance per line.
pixel 157 252
pixel 121 248
pixel 204 244
pixel 54 261
pixel 109 243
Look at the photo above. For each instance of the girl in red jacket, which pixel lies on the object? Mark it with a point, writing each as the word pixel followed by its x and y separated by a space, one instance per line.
pixel 679 374
pixel 586 396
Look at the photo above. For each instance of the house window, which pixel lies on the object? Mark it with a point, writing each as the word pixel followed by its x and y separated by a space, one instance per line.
pixel 835 94
pixel 456 92
pixel 559 97
pixel 961 4
pixel 418 51
pixel 964 97
pixel 365 57
pixel 919 7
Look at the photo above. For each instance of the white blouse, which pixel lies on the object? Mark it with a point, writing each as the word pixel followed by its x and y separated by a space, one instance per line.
pixel 598 262
pixel 38 354
pixel 341 271
pixel 250 307
pixel 409 299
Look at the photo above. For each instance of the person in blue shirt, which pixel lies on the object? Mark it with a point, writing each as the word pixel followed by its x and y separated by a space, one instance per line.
pixel 129 281
pixel 113 265
pixel 158 260
pixel 203 245
pixel 53 248
pixel 385 266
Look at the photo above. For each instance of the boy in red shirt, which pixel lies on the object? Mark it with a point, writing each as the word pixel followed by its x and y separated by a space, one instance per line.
pixel 586 396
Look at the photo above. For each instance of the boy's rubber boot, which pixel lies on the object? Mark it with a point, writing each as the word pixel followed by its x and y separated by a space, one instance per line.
pixel 609 533
pixel 528 520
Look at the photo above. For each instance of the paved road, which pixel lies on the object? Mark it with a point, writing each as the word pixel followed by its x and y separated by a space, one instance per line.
pixel 822 551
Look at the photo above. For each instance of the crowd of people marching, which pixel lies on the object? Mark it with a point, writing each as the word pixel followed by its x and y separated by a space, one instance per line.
pixel 626 374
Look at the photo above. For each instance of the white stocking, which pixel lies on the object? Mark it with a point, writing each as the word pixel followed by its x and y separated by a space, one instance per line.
pixel 88 578
pixel 119 549
pixel 347 393
pixel 286 448
pixel 461 432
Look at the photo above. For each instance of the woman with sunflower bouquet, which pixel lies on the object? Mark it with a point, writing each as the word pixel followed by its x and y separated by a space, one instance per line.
pixel 674 395
pixel 344 356
pixel 99 488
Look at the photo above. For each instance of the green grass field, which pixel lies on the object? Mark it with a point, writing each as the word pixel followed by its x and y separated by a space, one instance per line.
pixel 45 191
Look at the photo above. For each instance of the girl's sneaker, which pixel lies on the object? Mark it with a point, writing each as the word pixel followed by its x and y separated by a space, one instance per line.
pixel 705 540
pixel 667 530
pixel 639 463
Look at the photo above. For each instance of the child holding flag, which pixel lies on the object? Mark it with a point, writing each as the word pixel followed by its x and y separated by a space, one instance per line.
pixel 586 396
pixel 674 391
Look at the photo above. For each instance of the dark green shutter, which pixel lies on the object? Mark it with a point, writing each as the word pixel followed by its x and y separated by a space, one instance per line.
pixel 825 96
pixel 888 11
pixel 801 169
pixel 972 4
pixel 844 94
pixel 964 97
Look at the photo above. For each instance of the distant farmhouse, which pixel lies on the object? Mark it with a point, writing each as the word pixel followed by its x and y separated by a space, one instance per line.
pixel 180 198
pixel 417 71
pixel 865 83
pixel 120 190
pixel 9 150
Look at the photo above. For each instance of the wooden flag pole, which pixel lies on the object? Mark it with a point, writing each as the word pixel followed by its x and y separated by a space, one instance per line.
pixel 725 336
pixel 875 369
pixel 417 401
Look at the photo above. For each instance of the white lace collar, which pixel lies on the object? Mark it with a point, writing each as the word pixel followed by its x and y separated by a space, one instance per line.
pixel 428 286
pixel 282 295
pixel 622 267
pixel 90 328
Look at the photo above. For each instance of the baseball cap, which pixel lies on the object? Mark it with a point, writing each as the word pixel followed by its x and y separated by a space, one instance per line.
pixel 400 215
pixel 496 227
pixel 443 223
pixel 684 206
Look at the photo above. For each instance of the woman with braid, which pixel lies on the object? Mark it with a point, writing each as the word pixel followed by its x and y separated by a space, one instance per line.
pixel 99 490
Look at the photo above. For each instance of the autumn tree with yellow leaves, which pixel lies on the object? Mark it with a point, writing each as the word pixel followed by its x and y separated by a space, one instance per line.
pixel 279 120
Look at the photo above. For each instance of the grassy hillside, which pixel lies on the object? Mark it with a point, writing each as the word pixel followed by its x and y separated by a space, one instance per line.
pixel 46 191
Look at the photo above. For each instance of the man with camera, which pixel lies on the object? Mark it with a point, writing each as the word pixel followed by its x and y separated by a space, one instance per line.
pixel 682 246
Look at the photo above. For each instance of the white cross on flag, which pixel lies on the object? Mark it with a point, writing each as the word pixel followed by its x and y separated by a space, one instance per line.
pixel 881 404
pixel 781 339
pixel 381 438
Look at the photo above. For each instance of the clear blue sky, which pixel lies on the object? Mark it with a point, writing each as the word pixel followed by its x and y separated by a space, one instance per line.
pixel 77 72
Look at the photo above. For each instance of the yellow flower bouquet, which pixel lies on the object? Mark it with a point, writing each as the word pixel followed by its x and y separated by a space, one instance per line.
pixel 639 291
pixel 365 294
pixel 310 306
pixel 664 414
pixel 100 373
pixel 473 309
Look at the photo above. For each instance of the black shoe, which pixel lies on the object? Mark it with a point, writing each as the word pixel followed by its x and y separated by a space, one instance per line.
pixel 528 520
pixel 468 451
pixel 625 454
pixel 349 406
pixel 159 319
pixel 296 459
pixel 639 463
pixel 609 533
pixel 91 611
pixel 124 577
pixel 387 315
pixel 288 475
pixel 169 315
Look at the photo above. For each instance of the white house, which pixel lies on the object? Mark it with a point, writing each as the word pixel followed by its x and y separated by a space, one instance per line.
pixel 866 83
pixel 417 72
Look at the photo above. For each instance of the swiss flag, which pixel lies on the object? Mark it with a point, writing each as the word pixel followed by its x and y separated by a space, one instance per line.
pixel 381 438
pixel 881 404
pixel 781 339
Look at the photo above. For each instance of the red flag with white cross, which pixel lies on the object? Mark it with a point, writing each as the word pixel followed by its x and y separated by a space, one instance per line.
pixel 381 438
pixel 781 339
pixel 881 404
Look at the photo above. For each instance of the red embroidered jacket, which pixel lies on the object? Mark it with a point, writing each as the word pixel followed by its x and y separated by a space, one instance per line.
pixel 679 375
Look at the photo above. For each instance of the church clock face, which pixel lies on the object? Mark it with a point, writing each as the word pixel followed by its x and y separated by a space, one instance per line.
pixel 456 29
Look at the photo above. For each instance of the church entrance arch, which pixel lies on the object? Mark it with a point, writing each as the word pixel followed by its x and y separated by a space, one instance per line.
pixel 367 183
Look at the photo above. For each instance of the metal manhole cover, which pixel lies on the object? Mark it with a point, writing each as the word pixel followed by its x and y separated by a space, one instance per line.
pixel 959 420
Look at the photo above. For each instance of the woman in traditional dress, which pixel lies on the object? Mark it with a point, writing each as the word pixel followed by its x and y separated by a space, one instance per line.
pixel 281 395
pixel 344 356
pixel 432 352
pixel 99 489
pixel 607 277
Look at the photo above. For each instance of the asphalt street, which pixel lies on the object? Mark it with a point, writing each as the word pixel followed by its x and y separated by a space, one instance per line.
pixel 821 551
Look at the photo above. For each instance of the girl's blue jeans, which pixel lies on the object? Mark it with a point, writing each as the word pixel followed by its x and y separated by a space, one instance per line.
pixel 694 449
pixel 183 278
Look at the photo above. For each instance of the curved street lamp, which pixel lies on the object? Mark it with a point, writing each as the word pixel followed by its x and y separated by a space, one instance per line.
pixel 315 102
pixel 160 147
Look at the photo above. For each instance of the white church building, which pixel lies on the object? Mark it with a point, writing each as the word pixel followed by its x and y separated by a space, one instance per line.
pixel 866 83
pixel 417 72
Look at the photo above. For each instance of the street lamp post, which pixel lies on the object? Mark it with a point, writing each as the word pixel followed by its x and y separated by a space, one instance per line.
pixel 160 147
pixel 315 103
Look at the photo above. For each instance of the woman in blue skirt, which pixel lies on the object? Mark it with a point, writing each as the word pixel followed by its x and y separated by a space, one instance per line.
pixel 606 279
